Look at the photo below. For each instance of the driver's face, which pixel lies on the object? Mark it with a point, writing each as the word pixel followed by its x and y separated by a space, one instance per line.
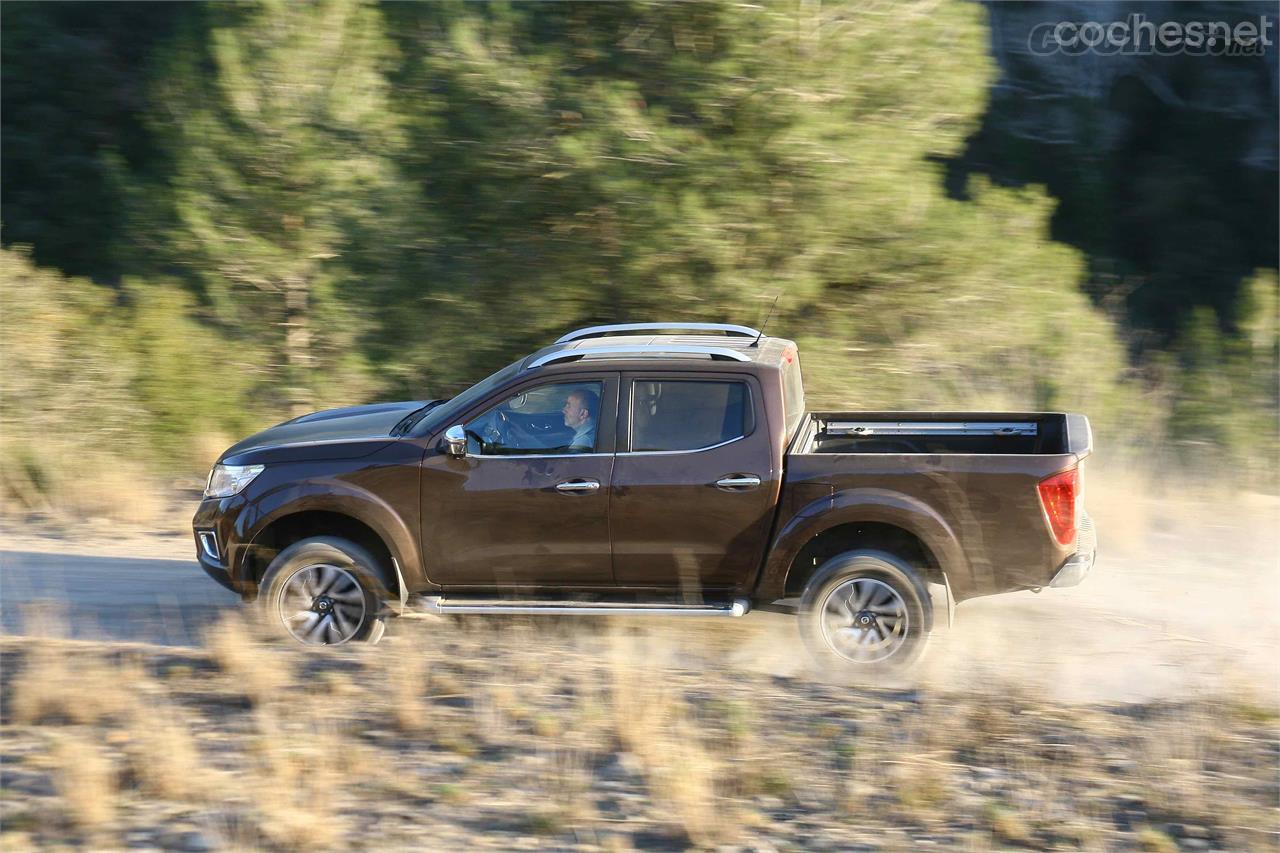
pixel 575 414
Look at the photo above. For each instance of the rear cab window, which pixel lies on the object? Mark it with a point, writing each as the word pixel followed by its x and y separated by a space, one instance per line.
pixel 688 414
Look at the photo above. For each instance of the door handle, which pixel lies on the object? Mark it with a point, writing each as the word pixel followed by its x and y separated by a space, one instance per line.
pixel 578 486
pixel 744 481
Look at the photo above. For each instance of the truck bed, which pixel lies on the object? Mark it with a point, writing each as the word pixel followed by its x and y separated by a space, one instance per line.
pixel 975 473
pixel 935 432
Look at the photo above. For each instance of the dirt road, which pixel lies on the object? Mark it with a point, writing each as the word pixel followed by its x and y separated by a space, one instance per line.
pixel 1174 608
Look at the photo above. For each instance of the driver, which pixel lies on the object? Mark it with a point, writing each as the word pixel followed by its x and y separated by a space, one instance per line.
pixel 579 411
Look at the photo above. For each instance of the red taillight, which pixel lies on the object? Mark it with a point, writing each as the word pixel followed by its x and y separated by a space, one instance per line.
pixel 1058 496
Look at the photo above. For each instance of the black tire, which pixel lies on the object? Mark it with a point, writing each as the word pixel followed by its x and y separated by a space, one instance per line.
pixel 885 584
pixel 339 584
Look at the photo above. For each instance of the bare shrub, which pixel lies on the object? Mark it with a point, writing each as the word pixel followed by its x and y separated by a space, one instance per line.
pixel 654 725
pixel 55 685
pixel 298 776
pixel 46 475
pixel 162 755
pixel 407 680
pixel 85 781
pixel 257 671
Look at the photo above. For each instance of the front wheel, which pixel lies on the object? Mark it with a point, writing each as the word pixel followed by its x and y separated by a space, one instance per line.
pixel 865 613
pixel 321 591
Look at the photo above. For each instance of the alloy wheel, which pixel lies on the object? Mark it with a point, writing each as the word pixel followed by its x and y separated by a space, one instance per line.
pixel 864 620
pixel 322 605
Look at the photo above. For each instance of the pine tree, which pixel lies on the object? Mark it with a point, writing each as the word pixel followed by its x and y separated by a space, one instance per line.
pixel 595 162
pixel 285 183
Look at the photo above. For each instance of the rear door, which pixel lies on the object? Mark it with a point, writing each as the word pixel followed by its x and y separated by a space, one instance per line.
pixel 691 504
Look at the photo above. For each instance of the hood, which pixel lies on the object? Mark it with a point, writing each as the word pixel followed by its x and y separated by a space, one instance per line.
pixel 347 433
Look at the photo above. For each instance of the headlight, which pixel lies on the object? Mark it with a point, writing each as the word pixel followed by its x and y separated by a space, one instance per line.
pixel 228 480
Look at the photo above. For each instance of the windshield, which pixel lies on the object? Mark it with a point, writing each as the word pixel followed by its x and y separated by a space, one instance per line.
pixel 441 415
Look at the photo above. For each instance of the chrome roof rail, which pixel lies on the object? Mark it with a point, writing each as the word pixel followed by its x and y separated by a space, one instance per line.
pixel 637 349
pixel 601 331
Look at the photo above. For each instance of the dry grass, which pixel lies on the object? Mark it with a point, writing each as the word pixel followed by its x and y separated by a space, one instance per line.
pixel 1007 825
pixel 1175 751
pixel 1155 841
pixel 683 775
pixel 407 683
pixel 604 740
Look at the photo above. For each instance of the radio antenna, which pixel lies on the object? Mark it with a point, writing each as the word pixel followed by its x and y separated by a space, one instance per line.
pixel 765 324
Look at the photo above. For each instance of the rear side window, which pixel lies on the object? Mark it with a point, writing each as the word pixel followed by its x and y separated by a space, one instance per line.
pixel 688 415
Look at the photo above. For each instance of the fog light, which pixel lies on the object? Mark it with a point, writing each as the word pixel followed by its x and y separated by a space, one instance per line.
pixel 208 544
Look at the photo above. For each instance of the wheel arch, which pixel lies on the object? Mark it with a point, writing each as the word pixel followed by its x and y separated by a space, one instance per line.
pixel 863 519
pixel 862 536
pixel 287 528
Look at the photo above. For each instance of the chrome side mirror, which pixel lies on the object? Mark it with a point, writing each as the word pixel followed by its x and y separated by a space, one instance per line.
pixel 455 441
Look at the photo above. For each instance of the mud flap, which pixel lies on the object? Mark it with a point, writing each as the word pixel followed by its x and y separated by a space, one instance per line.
pixel 944 590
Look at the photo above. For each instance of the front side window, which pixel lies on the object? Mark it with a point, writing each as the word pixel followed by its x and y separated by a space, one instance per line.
pixel 556 418
pixel 688 415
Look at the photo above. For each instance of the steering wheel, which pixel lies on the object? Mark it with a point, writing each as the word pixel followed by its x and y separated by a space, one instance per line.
pixel 507 430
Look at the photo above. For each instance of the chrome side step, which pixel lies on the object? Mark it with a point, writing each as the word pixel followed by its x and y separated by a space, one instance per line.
pixel 440 605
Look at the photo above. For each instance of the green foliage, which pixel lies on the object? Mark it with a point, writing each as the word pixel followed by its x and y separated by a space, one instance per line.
pixel 322 204
pixel 1226 388
pixel 284 170
pixel 1170 192
pixel 576 183
pixel 96 381
pixel 75 77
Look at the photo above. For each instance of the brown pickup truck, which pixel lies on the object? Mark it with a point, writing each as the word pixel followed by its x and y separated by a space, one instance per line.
pixel 647 468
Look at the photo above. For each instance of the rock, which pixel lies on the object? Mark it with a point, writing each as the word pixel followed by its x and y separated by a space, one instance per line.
pixel 188 841
pixel 621 766
pixel 25 782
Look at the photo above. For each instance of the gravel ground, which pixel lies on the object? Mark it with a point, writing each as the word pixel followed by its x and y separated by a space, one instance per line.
pixel 1140 710
pixel 520 735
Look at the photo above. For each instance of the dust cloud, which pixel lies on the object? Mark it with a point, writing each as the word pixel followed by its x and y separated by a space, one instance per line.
pixel 1181 604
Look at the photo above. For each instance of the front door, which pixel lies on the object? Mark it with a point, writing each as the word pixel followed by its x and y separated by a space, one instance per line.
pixel 529 503
pixel 693 485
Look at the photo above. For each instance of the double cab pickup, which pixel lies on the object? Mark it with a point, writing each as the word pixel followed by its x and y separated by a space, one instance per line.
pixel 648 468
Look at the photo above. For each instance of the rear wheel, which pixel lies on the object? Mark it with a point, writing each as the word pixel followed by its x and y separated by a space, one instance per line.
pixel 865 612
pixel 323 591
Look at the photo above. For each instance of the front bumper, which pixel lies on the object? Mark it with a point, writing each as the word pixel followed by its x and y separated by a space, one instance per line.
pixel 1077 566
pixel 218 573
pixel 217 540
